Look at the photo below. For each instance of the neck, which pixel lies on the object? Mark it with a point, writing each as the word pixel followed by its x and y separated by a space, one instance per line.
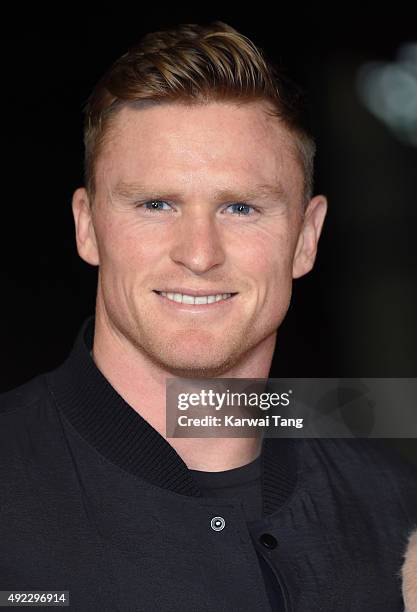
pixel 142 384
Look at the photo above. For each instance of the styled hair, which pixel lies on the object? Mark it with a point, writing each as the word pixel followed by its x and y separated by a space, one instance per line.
pixel 196 64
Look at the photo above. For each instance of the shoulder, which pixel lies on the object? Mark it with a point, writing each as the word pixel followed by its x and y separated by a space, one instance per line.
pixel 22 396
pixel 22 416
pixel 364 455
pixel 369 472
pixel 376 457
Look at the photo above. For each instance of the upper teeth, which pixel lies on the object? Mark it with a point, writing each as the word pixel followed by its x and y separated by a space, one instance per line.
pixel 201 299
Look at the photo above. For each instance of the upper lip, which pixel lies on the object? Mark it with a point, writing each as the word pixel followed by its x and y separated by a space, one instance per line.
pixel 193 292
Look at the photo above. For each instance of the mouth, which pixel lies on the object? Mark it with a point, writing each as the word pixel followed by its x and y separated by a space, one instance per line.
pixel 196 299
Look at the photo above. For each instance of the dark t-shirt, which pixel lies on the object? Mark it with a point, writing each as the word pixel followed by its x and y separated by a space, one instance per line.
pixel 243 483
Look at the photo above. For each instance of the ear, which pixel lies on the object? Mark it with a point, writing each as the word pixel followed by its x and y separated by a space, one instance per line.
pixel 84 228
pixel 306 249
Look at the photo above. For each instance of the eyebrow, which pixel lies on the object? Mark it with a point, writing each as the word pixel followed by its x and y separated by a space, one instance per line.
pixel 126 191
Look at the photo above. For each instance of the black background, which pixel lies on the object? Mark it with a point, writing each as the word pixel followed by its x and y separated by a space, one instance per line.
pixel 353 316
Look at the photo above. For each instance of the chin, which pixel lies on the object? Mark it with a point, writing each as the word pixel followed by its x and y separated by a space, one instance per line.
pixel 193 372
pixel 194 364
pixel 197 368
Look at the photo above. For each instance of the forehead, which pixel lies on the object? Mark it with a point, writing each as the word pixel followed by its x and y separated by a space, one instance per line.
pixel 198 144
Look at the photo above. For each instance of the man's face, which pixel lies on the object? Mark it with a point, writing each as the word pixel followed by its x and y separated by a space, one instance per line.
pixel 160 223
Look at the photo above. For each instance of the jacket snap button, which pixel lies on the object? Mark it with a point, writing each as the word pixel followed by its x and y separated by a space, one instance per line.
pixel 268 541
pixel 217 523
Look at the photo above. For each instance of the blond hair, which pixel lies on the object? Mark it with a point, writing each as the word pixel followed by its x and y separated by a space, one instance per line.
pixel 195 64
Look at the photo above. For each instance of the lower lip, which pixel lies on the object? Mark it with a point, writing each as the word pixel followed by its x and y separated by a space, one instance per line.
pixel 196 308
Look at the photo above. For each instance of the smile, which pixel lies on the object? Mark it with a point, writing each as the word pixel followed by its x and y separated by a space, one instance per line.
pixel 183 298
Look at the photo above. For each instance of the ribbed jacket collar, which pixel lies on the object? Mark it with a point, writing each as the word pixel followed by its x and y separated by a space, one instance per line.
pixel 103 418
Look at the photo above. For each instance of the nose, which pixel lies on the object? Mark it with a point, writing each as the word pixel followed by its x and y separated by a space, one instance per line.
pixel 197 243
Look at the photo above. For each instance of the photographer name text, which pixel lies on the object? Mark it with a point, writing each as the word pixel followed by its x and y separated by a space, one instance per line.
pixel 234 421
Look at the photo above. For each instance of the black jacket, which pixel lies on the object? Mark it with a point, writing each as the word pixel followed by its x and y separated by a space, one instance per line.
pixel 94 501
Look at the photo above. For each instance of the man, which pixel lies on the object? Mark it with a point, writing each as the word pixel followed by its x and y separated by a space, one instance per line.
pixel 198 210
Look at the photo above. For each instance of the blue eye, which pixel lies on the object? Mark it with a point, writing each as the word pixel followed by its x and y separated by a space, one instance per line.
pixel 242 209
pixel 239 209
pixel 154 205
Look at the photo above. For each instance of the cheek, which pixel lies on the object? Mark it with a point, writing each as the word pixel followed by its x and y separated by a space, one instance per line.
pixel 124 250
pixel 266 257
pixel 268 263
